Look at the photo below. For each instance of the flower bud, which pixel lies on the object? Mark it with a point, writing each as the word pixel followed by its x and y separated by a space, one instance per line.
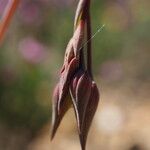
pixel 71 62
pixel 74 82
pixel 65 80
pixel 80 90
pixel 89 114
pixel 57 116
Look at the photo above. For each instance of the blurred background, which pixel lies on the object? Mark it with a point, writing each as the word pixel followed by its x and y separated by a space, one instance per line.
pixel 32 54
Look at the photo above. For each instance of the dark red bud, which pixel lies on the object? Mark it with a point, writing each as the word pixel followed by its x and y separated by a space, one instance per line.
pixel 80 93
pixel 65 80
pixel 74 82
pixel 71 62
pixel 57 117
pixel 89 114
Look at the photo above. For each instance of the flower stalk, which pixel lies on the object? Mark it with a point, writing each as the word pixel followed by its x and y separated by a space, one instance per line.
pixel 89 44
pixel 8 14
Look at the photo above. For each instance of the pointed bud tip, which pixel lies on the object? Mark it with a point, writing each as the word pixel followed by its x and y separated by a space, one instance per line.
pixel 82 141
pixel 52 136
pixel 55 126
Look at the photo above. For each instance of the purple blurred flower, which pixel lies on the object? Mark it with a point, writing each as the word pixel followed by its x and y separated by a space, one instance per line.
pixel 32 51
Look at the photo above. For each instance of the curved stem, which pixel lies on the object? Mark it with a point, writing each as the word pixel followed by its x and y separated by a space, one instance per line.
pixel 8 13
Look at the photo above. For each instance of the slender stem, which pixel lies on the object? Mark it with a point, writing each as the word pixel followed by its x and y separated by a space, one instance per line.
pixel 81 61
pixel 8 13
pixel 89 45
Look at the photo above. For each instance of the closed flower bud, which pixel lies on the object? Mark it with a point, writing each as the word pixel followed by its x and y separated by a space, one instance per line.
pixel 61 97
pixel 65 80
pixel 76 78
pixel 57 116
pixel 71 62
pixel 74 82
pixel 89 114
pixel 80 90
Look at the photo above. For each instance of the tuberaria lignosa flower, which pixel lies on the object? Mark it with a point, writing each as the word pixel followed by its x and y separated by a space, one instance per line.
pixel 76 86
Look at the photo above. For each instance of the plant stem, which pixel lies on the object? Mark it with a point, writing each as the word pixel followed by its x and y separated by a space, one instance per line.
pixel 89 45
pixel 81 62
pixel 8 13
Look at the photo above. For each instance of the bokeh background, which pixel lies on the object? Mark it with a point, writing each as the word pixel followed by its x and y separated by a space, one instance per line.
pixel 32 54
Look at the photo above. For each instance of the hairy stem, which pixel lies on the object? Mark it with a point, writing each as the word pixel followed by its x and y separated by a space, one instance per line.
pixel 8 13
